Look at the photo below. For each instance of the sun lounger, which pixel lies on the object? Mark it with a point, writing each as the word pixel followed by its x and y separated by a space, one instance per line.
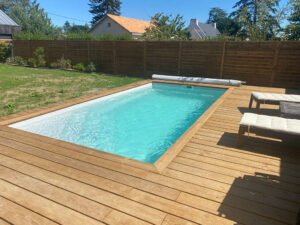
pixel 272 99
pixel 268 126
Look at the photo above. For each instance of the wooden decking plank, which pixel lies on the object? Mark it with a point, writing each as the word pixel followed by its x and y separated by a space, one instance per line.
pixel 256 207
pixel 292 170
pixel 83 189
pixel 242 190
pixel 225 175
pixel 238 167
pixel 257 150
pixel 50 209
pixel 174 220
pixel 156 202
pixel 95 168
pixel 238 215
pixel 241 153
pixel 13 213
pixel 5 222
pixel 65 198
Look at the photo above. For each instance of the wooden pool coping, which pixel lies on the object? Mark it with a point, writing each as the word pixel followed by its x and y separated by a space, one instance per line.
pixel 162 162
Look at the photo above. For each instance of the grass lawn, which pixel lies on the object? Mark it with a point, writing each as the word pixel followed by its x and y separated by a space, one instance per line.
pixel 27 88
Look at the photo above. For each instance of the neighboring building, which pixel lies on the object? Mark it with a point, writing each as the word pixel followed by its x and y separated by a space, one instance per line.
pixel 7 27
pixel 202 30
pixel 117 25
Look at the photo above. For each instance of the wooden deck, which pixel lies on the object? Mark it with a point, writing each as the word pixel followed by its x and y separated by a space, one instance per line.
pixel 46 181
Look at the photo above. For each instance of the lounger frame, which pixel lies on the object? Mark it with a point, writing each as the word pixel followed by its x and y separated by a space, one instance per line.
pixel 258 102
pixel 264 132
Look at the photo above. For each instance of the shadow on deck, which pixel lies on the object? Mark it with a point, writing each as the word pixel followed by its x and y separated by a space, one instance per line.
pixel 276 195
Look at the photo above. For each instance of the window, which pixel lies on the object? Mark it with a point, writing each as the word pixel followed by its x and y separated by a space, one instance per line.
pixel 108 25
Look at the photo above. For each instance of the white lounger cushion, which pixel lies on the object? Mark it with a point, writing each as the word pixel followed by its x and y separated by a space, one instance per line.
pixel 274 123
pixel 276 97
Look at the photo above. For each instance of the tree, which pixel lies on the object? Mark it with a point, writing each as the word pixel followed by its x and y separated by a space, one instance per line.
pixel 68 28
pixel 29 16
pixel 225 25
pixel 99 8
pixel 166 27
pixel 257 18
pixel 292 31
pixel 216 14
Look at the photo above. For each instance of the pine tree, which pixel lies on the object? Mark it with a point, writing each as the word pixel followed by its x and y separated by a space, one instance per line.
pixel 256 18
pixel 293 29
pixel 99 8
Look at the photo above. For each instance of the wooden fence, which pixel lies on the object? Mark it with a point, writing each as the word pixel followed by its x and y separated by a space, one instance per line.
pixel 257 63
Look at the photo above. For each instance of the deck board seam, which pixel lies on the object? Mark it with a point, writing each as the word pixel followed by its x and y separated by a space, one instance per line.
pixel 148 205
pixel 249 160
pixel 49 199
pixel 232 168
pixel 118 194
pixel 72 192
pixel 28 208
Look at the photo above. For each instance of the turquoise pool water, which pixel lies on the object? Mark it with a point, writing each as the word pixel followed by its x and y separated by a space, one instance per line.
pixel 140 123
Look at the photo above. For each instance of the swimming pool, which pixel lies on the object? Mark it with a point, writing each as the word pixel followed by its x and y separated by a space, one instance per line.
pixel 141 123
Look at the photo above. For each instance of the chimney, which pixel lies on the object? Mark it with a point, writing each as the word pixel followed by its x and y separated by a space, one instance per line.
pixel 214 25
pixel 194 22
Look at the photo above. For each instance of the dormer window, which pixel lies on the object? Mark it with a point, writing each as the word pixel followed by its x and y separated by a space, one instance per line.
pixel 108 25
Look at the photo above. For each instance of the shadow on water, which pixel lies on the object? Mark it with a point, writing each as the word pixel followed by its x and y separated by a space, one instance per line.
pixel 259 197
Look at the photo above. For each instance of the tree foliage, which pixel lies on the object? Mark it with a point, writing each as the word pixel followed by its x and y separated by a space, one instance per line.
pixel 68 28
pixel 167 27
pixel 225 25
pixel 30 16
pixel 293 29
pixel 99 8
pixel 257 18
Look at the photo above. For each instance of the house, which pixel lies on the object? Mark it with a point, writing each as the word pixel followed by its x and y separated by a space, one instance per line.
pixel 117 25
pixel 202 30
pixel 7 27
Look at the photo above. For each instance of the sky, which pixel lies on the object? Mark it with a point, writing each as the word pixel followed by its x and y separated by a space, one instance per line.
pixel 77 11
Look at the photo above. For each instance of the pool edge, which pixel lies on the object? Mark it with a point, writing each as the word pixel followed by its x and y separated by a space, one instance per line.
pixel 157 167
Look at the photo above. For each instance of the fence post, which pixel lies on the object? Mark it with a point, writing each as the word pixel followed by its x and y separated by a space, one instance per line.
pixel 275 62
pixel 179 58
pixel 115 57
pixel 222 60
pixel 145 58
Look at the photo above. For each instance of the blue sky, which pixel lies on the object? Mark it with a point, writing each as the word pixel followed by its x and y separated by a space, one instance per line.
pixel 138 9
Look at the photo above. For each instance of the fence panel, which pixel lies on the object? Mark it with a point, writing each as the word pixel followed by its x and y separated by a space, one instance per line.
pixel 287 71
pixel 201 59
pixel 258 63
pixel 249 61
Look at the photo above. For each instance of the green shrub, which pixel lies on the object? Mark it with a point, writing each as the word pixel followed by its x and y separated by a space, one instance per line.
pixel 79 67
pixel 54 65
pixel 62 63
pixel 38 59
pixel 68 64
pixel 39 56
pixel 32 62
pixel 91 68
pixel 80 36
pixel 30 36
pixel 17 60
pixel 5 51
